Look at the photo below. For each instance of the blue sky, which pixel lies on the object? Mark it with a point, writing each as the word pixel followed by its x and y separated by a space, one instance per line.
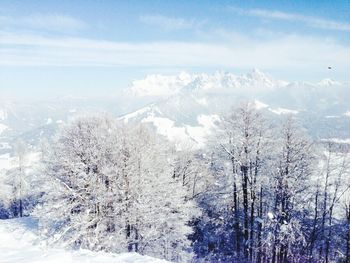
pixel 52 48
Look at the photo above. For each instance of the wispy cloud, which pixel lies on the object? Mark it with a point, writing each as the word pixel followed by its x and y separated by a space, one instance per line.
pixel 310 21
pixel 290 53
pixel 170 23
pixel 51 22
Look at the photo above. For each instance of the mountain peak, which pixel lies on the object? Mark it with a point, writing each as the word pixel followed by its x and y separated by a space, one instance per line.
pixel 257 72
pixel 328 82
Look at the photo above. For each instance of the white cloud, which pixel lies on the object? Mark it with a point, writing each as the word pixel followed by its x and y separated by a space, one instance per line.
pixel 311 21
pixel 289 53
pixel 170 23
pixel 52 22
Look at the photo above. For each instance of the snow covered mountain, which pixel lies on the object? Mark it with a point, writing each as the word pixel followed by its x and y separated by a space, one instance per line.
pixel 187 106
pixel 164 86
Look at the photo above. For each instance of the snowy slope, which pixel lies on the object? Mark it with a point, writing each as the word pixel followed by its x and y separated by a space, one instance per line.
pixel 19 243
pixel 180 119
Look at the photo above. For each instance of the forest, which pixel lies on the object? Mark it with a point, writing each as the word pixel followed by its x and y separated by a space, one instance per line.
pixel 262 190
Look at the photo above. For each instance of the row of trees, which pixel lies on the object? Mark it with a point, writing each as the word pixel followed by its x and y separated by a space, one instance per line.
pixel 276 195
pixel 261 191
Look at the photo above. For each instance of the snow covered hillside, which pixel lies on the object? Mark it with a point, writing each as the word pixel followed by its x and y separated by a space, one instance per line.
pixel 19 244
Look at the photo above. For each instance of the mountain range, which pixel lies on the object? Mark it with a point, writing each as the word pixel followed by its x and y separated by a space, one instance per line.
pixel 185 107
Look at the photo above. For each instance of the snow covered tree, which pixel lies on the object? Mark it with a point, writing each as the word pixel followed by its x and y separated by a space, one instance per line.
pixel 20 150
pixel 259 209
pixel 347 233
pixel 16 182
pixel 110 187
pixel 246 145
pixel 235 203
pixel 192 169
pixel 332 188
pixel 291 171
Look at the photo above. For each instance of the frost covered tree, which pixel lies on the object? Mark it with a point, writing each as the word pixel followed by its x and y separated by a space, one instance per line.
pixel 21 151
pixel 235 203
pixel 346 235
pixel 191 167
pixel 16 182
pixel 260 209
pixel 246 145
pixel 110 187
pixel 291 172
pixel 331 192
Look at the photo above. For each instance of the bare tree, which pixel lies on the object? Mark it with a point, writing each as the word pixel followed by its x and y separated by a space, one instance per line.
pixel 20 151
pixel 292 171
pixel 245 143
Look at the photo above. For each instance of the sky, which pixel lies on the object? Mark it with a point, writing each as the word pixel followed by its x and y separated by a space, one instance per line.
pixel 97 48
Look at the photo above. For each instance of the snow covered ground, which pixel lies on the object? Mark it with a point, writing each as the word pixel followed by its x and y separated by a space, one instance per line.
pixel 19 243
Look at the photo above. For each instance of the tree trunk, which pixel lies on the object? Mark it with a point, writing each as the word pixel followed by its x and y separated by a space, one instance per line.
pixel 313 232
pixel 347 255
pixel 20 208
pixel 252 211
pixel 236 208
pixel 325 199
pixel 260 227
pixel 244 170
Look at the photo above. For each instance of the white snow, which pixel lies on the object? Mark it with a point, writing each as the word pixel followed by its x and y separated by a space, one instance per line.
pixel 49 121
pixel 189 136
pixel 338 170
pixel 32 158
pixel 347 113
pixel 208 121
pixel 167 128
pixel 201 132
pixel 337 140
pixel 5 145
pixel 281 111
pixel 166 85
pixel 3 127
pixel 328 82
pixel 5 161
pixel 260 105
pixel 160 85
pixel 270 215
pixel 134 114
pixel 202 101
pixel 19 243
pixel 3 114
